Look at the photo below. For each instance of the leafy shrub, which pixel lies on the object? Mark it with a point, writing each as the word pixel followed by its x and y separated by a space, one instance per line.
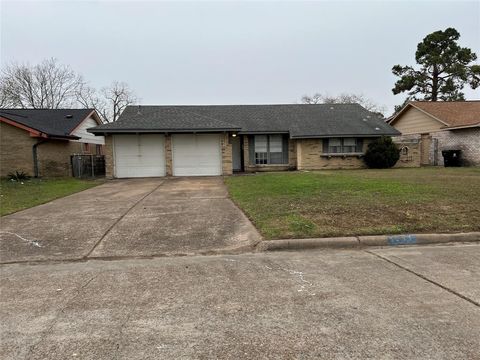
pixel 382 153
pixel 18 176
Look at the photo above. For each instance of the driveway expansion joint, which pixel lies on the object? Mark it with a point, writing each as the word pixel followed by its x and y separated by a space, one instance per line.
pixel 477 304
pixel 120 219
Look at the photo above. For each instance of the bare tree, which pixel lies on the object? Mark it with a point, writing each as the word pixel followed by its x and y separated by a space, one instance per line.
pixel 48 85
pixel 345 98
pixel 118 96
pixel 88 97
pixel 314 99
pixel 109 102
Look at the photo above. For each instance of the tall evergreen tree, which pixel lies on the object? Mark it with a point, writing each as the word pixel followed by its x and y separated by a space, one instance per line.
pixel 445 68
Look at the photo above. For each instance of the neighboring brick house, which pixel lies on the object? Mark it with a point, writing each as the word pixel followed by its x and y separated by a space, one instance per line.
pixel 437 126
pixel 222 139
pixel 40 142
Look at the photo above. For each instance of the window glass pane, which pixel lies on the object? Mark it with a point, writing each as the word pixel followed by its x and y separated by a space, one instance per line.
pixel 335 142
pixel 276 143
pixel 261 158
pixel 260 143
pixel 349 142
pixel 276 158
pixel 334 145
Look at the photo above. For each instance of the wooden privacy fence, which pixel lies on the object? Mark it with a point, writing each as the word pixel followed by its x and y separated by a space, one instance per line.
pixel 88 166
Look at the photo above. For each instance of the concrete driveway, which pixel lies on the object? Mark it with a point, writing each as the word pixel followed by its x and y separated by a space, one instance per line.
pixel 128 218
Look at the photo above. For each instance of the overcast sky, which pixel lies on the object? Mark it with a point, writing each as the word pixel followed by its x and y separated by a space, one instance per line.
pixel 233 52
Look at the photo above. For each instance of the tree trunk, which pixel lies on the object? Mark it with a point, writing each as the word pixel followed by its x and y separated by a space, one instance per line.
pixel 435 83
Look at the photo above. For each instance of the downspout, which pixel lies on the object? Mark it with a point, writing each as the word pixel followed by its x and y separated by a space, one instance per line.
pixel 35 157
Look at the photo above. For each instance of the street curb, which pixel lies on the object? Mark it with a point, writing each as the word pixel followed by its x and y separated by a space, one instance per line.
pixel 364 241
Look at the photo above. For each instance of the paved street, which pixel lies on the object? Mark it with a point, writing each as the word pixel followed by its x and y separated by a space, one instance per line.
pixel 395 303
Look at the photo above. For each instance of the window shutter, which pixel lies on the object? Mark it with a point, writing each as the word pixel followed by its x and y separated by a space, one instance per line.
pixel 251 150
pixel 325 145
pixel 360 145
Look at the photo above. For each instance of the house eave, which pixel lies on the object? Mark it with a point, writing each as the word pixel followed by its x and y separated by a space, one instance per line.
pixel 169 131
pixel 343 136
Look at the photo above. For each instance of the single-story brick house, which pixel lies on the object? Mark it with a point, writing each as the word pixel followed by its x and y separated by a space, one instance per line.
pixel 40 142
pixel 222 139
pixel 437 126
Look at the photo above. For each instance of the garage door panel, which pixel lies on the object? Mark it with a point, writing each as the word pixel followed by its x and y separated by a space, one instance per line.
pixel 140 155
pixel 196 155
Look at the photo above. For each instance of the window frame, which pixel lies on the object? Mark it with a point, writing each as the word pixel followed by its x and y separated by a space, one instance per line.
pixel 342 146
pixel 99 149
pixel 86 148
pixel 261 158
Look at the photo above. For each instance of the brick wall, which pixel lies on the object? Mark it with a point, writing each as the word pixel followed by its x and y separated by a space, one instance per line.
pixel 15 150
pixel 168 155
pixel 227 161
pixel 309 157
pixel 16 153
pixel 108 151
pixel 467 140
pixel 410 151
pixel 54 158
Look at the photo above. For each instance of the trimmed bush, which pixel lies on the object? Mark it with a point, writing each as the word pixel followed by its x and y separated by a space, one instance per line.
pixel 382 153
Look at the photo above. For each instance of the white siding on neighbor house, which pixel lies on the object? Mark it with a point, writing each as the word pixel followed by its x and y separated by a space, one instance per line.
pixel 414 121
pixel 86 137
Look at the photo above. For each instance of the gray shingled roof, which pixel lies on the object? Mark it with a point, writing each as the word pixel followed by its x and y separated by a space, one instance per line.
pixel 53 122
pixel 321 120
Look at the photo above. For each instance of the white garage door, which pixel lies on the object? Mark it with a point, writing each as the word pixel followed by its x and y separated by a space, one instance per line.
pixel 140 155
pixel 196 155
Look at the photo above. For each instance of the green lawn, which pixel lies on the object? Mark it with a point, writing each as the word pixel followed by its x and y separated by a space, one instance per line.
pixel 360 202
pixel 15 196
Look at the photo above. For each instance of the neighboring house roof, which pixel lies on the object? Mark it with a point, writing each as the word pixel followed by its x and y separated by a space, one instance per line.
pixel 57 123
pixel 453 114
pixel 300 121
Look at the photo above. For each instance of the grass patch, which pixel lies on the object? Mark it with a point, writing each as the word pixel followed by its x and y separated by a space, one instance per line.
pixel 360 202
pixel 16 196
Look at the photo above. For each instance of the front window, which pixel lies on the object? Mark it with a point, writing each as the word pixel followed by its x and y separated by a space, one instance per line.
pixel 349 145
pixel 261 149
pixel 269 149
pixel 335 145
pixel 342 145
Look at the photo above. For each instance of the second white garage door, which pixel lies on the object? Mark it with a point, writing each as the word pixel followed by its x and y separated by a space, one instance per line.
pixel 196 155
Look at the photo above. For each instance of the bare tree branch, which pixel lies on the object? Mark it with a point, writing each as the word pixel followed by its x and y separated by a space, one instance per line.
pixel 118 96
pixel 345 98
pixel 48 85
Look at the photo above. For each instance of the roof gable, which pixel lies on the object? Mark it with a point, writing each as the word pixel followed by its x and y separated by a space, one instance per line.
pixel 452 114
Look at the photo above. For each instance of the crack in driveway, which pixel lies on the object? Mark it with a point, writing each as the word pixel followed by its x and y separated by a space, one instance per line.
pixel 120 219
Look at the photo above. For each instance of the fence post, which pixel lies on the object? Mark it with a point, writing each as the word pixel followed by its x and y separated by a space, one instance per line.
pixel 91 162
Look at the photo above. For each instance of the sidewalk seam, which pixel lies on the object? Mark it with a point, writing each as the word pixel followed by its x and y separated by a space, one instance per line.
pixel 425 278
